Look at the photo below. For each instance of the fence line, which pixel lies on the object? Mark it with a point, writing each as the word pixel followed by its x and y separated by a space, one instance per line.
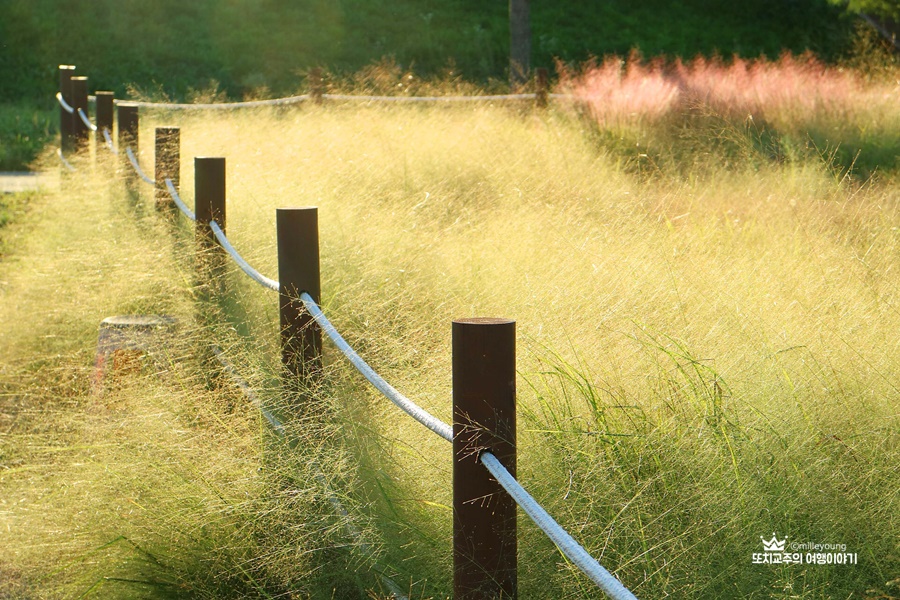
pixel 178 201
pixel 564 541
pixel 137 167
pixel 86 120
pixel 65 163
pixel 243 264
pixel 109 142
pixel 222 105
pixel 428 99
pixel 338 97
pixel 408 406
pixel 64 104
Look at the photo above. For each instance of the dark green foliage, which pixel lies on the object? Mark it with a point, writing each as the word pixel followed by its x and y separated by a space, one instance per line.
pixel 246 45
pixel 168 48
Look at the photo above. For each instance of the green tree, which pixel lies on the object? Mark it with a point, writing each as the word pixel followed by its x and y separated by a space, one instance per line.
pixel 881 9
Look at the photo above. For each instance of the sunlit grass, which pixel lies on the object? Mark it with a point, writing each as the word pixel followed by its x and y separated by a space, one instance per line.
pixel 705 356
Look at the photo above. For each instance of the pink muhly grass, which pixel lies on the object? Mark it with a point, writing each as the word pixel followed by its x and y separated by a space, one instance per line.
pixel 790 89
pixel 620 91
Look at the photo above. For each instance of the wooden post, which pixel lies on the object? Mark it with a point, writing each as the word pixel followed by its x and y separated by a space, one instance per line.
pixel 298 271
pixel 168 165
pixel 543 88
pixel 209 198
pixel 484 418
pixel 104 115
pixel 128 127
pixel 127 115
pixel 316 85
pixel 65 118
pixel 209 205
pixel 81 135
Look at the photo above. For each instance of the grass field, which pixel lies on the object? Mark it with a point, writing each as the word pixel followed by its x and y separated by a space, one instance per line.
pixel 705 305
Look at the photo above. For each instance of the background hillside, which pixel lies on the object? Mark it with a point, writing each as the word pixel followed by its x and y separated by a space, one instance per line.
pixel 248 44
pixel 236 48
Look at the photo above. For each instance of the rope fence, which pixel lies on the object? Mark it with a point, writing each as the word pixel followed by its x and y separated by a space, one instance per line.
pixel 86 120
pixel 178 201
pixel 484 536
pixel 109 142
pixel 137 167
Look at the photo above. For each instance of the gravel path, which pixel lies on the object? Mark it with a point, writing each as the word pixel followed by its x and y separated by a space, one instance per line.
pixel 20 181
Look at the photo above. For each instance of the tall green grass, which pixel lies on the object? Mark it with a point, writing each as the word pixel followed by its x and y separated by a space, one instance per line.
pixel 705 357
pixel 26 130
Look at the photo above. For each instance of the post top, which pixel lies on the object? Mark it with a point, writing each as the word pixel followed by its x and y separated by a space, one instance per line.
pixel 67 67
pixel 484 321
pixel 297 208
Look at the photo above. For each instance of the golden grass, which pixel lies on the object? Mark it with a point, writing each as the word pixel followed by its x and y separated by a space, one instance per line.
pixel 703 358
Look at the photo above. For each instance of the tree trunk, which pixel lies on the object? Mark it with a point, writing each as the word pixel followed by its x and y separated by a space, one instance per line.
pixel 519 42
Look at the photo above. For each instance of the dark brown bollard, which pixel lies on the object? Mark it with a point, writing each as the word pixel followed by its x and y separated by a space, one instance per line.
pixel 209 197
pixel 128 127
pixel 81 134
pixel 168 165
pixel 316 85
pixel 127 116
pixel 484 418
pixel 542 83
pixel 298 272
pixel 209 205
pixel 104 115
pixel 65 117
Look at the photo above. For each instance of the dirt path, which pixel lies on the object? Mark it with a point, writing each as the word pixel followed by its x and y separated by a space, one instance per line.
pixel 21 181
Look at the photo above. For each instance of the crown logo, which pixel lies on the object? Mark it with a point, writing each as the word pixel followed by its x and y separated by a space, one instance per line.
pixel 773 545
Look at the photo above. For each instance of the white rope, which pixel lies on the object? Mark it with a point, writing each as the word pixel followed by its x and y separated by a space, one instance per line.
pixel 109 141
pixel 223 105
pixel 492 98
pixel 137 167
pixel 245 267
pixel 405 404
pixel 345 97
pixel 178 202
pixel 86 120
pixel 64 104
pixel 65 163
pixel 565 542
